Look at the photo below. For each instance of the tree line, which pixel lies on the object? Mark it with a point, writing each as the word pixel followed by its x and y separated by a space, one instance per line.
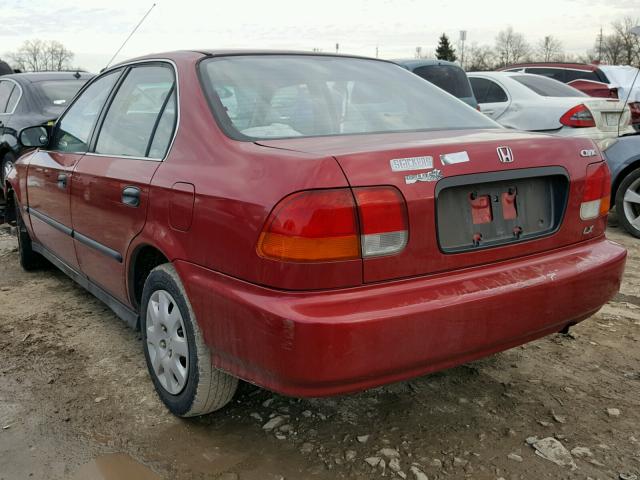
pixel 41 56
pixel 619 47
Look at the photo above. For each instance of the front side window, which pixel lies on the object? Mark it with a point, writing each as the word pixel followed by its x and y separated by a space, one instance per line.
pixel 73 131
pixel 284 96
pixel 547 87
pixel 449 78
pixel 130 123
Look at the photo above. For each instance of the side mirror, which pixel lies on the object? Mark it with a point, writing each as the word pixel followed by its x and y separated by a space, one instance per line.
pixel 34 137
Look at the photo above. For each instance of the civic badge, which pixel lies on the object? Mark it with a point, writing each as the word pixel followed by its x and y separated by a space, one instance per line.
pixel 505 155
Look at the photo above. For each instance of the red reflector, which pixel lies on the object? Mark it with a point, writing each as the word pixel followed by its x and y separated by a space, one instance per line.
pixel 578 117
pixel 317 225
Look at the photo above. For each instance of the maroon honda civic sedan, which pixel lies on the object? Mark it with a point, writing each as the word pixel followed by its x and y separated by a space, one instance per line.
pixel 314 224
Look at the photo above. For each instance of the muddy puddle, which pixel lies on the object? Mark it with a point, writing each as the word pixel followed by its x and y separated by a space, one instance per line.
pixel 114 466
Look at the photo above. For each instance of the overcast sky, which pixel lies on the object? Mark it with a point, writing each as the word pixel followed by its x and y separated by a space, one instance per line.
pixel 94 29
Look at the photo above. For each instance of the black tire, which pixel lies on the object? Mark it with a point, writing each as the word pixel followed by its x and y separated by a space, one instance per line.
pixel 632 211
pixel 9 158
pixel 207 389
pixel 29 259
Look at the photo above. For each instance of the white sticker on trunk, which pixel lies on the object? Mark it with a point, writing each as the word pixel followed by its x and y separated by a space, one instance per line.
pixel 411 163
pixel 453 158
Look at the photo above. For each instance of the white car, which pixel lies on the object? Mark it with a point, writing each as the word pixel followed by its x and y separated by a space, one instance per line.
pixel 535 103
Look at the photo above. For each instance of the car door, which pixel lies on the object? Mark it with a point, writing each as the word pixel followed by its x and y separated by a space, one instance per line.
pixel 110 191
pixel 50 171
pixel 492 98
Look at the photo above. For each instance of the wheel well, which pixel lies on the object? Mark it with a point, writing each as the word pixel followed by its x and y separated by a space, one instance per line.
pixel 626 171
pixel 146 259
pixel 9 206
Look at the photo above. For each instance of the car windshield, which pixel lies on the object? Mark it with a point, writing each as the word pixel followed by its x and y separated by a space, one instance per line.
pixel 547 87
pixel 282 96
pixel 449 78
pixel 59 92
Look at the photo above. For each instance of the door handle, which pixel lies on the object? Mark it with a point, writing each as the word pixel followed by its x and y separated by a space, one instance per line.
pixel 131 196
pixel 62 181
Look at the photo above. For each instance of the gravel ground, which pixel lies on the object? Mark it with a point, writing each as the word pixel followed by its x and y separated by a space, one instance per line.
pixel 76 402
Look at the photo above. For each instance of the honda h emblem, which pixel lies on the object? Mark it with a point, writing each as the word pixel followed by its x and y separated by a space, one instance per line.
pixel 505 154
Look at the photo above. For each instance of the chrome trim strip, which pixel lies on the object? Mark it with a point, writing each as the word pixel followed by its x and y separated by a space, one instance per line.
pixel 19 98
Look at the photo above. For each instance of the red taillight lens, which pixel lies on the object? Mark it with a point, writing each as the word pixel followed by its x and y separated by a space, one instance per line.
pixel 322 225
pixel 635 113
pixel 613 92
pixel 383 220
pixel 578 117
pixel 597 188
pixel 317 225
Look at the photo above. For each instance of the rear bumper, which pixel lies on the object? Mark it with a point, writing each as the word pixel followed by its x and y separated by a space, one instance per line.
pixel 325 343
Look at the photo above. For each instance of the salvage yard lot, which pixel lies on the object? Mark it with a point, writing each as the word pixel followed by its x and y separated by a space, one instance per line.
pixel 74 386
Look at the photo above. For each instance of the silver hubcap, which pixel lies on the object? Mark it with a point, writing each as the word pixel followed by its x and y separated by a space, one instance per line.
pixel 167 342
pixel 631 203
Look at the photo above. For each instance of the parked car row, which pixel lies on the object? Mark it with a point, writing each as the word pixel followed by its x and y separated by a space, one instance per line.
pixel 313 224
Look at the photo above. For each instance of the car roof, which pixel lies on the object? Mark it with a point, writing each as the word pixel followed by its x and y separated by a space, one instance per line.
pixel 31 77
pixel 413 63
pixel 176 54
pixel 576 66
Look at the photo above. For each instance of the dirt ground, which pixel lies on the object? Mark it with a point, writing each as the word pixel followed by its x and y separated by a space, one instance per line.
pixel 76 403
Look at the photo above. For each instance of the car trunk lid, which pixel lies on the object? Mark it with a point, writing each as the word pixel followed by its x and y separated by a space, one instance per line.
pixel 473 197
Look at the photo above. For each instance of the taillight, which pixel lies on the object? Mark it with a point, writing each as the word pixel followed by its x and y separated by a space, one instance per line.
pixel 383 220
pixel 327 225
pixel 578 117
pixel 597 191
pixel 312 226
pixel 635 112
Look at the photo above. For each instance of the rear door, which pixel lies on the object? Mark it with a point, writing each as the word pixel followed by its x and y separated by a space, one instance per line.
pixel 492 97
pixel 111 183
pixel 50 172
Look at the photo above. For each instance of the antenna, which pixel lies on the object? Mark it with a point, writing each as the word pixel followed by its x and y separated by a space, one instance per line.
pixel 130 35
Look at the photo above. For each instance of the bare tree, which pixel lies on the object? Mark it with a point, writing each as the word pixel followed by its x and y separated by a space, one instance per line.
pixel 480 58
pixel 38 56
pixel 611 49
pixel 628 42
pixel 549 49
pixel 511 47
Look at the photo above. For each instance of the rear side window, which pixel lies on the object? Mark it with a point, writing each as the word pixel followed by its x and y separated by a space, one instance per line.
pixel 571 75
pixel 164 131
pixel 13 99
pixel 134 113
pixel 487 91
pixel 547 87
pixel 73 131
pixel 555 73
pixel 449 78
pixel 5 92
pixel 59 92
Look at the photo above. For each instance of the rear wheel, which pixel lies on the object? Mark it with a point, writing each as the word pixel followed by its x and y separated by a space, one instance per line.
pixel 29 259
pixel 628 203
pixel 178 360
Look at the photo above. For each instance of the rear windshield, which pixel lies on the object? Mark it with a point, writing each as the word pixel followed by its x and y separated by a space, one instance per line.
pixel 283 96
pixel 547 87
pixel 59 92
pixel 449 78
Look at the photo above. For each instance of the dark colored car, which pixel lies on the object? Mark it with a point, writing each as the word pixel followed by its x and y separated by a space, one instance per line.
pixel 314 224
pixel 28 99
pixel 446 75
pixel 623 158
